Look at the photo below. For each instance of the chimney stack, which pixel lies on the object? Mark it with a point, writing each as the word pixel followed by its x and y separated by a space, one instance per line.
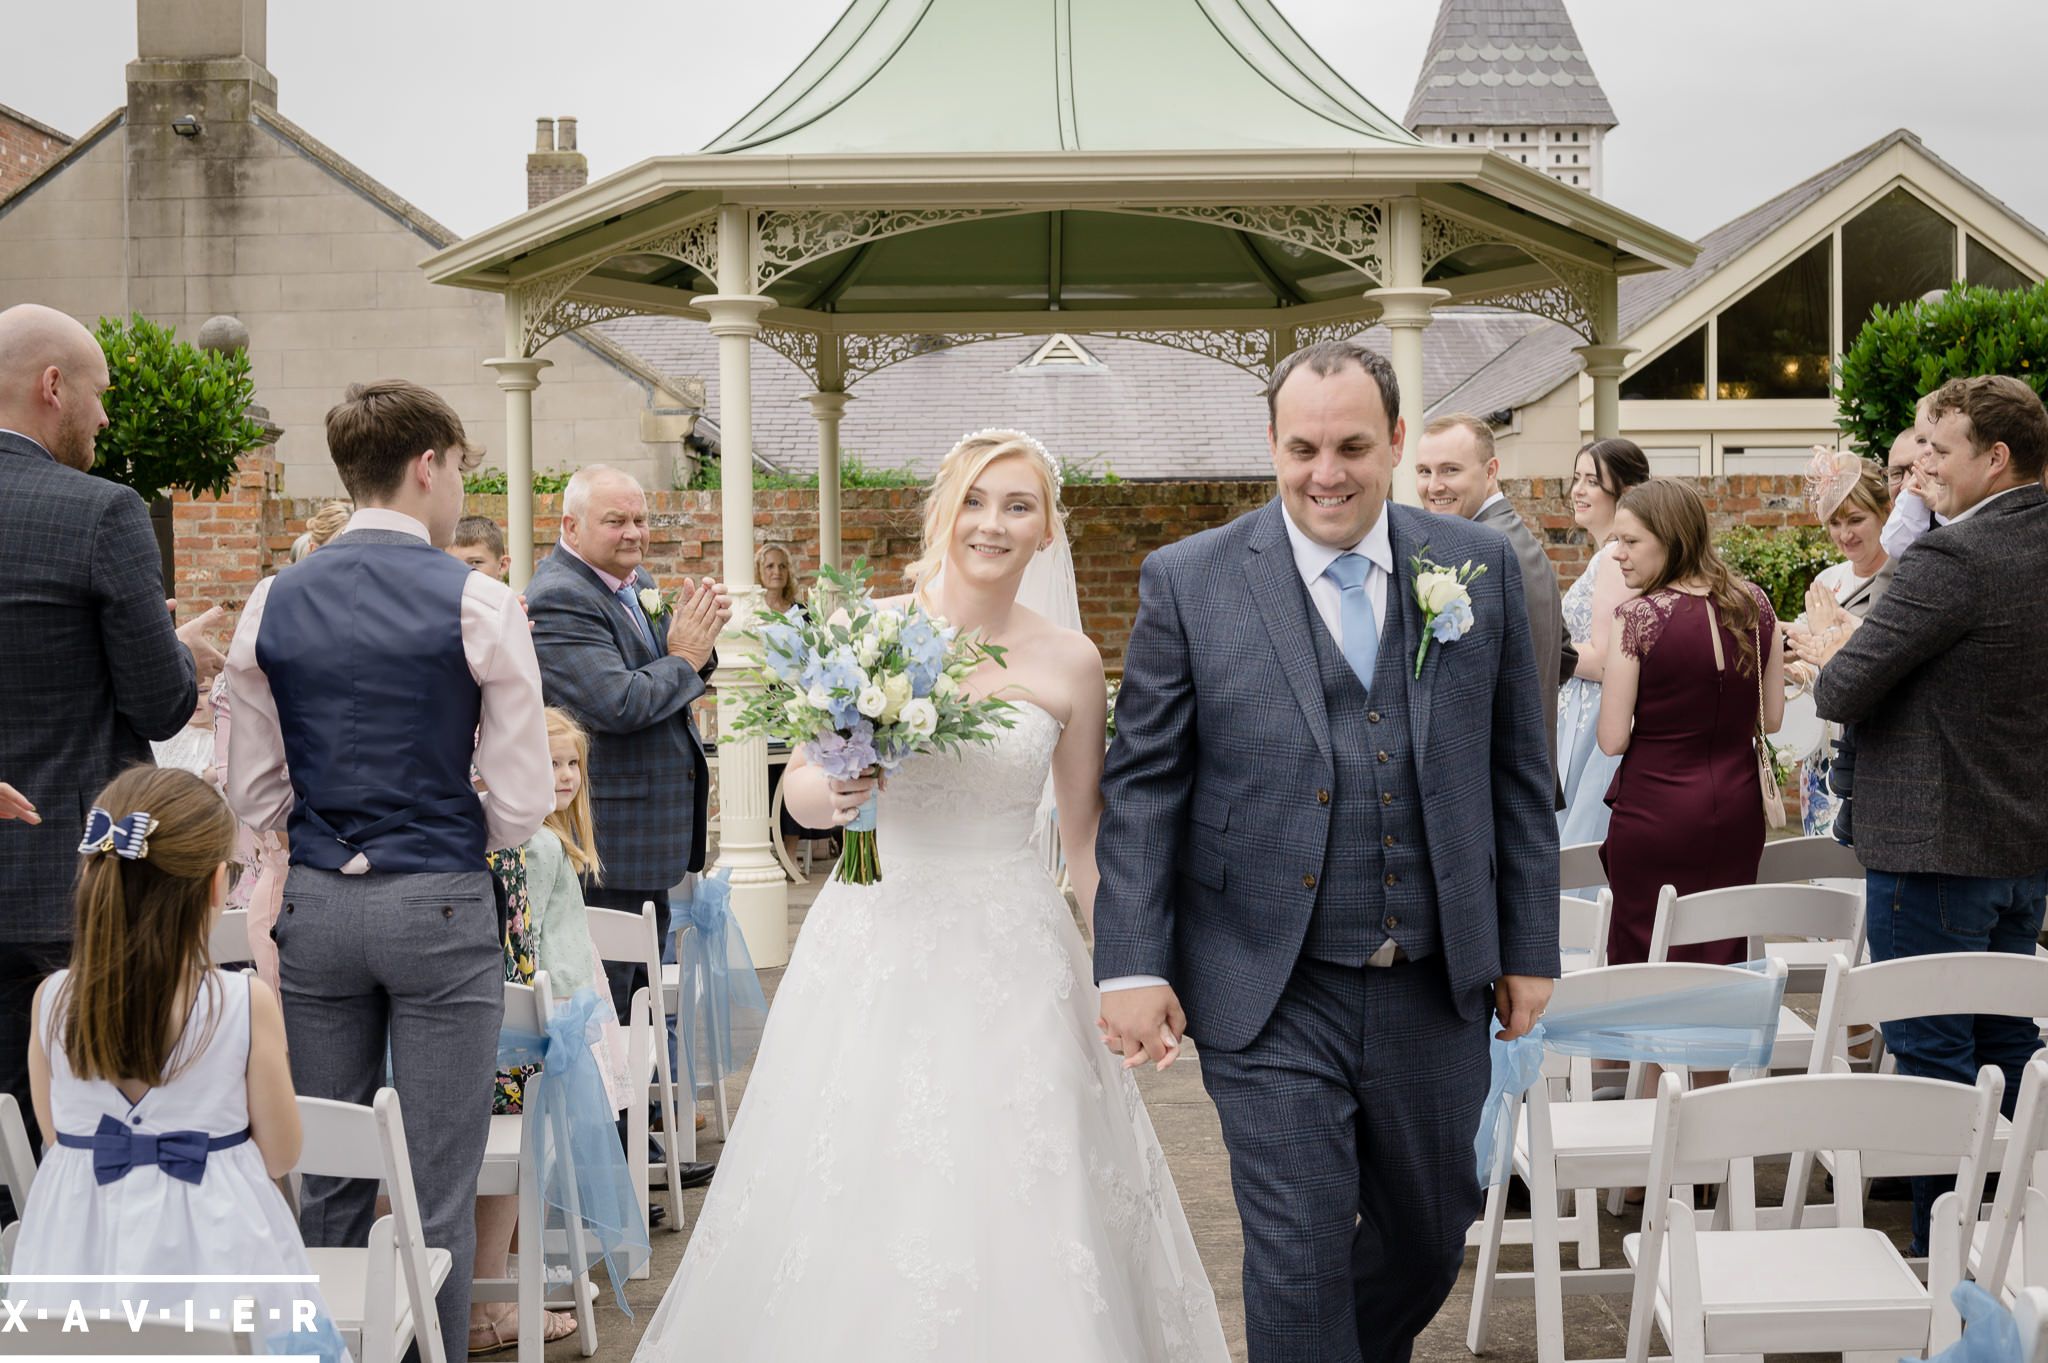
pixel 554 166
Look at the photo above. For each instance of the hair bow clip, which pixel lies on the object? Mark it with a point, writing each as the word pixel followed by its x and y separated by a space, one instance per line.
pixel 126 837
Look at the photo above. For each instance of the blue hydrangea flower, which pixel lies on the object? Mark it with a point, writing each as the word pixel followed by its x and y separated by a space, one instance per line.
pixel 843 756
pixel 1452 622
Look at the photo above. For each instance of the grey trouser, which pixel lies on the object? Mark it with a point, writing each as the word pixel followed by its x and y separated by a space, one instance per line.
pixel 407 966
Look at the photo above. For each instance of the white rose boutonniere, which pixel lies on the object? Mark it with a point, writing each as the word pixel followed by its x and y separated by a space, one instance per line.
pixel 1446 603
pixel 654 602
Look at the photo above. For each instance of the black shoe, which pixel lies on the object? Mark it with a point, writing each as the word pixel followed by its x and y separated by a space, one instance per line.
pixel 656 1214
pixel 696 1175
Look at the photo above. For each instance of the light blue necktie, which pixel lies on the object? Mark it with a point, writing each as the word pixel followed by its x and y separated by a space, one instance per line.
pixel 1354 613
pixel 630 599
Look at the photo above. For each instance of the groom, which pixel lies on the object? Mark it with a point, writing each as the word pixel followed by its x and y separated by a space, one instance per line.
pixel 1329 868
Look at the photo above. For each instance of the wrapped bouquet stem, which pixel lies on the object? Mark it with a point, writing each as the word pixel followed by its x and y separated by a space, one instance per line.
pixel 863 691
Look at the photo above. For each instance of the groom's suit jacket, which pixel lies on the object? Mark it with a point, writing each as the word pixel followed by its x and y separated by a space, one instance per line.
pixel 649 782
pixel 1216 826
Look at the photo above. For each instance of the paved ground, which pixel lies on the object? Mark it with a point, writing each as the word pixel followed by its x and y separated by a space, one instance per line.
pixel 1595 1326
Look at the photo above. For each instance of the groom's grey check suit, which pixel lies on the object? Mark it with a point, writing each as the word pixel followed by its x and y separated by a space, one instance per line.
pixel 1261 811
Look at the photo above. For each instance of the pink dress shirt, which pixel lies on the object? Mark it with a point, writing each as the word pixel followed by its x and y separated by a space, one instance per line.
pixel 512 738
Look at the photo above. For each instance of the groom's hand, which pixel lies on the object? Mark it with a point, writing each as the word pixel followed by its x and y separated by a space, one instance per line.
pixel 1520 1001
pixel 1143 1024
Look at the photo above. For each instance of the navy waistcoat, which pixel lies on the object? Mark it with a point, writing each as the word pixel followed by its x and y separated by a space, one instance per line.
pixel 362 645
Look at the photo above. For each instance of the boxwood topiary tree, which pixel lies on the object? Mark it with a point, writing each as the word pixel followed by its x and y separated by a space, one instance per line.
pixel 178 416
pixel 1912 349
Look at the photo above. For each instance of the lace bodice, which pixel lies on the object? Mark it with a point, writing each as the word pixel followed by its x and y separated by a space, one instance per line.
pixel 1578 602
pixel 979 803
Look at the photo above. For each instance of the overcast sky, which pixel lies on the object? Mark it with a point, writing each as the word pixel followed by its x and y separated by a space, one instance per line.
pixel 1723 103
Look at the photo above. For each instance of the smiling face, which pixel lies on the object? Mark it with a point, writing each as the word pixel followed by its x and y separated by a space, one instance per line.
pixel 1854 531
pixel 1640 555
pixel 611 533
pixel 568 769
pixel 1956 473
pixel 1333 454
pixel 1003 520
pixel 1451 474
pixel 1592 504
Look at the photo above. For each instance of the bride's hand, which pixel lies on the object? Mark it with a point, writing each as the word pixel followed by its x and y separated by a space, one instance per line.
pixel 849 796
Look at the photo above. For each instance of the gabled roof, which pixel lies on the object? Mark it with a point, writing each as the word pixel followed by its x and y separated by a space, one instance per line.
pixel 1540 361
pixel 1060 75
pixel 1506 63
pixel 14 115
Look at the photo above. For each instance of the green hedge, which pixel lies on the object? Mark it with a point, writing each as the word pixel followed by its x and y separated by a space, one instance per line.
pixel 1783 562
pixel 1907 351
pixel 177 416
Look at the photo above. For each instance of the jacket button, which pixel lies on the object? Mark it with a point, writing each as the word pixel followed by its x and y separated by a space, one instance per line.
pixel 1393 879
pixel 288 908
pixel 1308 882
pixel 1372 716
pixel 1383 756
pixel 447 910
pixel 1389 840
pixel 1392 922
pixel 1322 797
pixel 1386 797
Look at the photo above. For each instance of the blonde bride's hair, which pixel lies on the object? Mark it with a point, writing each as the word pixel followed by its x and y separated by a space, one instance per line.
pixel 963 464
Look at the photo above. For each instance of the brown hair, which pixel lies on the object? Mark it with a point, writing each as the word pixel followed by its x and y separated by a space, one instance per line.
pixel 1482 434
pixel 1871 493
pixel 1674 514
pixel 482 531
pixel 2000 410
pixel 575 826
pixel 378 428
pixel 1618 463
pixel 957 471
pixel 142 930
pixel 1328 357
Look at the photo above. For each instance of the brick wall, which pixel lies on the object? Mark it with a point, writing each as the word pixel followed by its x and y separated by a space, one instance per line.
pixel 25 148
pixel 225 544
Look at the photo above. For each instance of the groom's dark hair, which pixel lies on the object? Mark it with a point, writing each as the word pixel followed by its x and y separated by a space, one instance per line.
pixel 1325 358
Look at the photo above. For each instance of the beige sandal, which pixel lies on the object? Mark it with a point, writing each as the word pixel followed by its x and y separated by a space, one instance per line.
pixel 557 1325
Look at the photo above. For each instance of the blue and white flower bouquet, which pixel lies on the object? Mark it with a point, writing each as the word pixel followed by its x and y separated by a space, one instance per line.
pixel 863 691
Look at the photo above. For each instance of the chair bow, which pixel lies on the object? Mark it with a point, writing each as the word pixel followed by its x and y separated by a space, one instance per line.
pixel 116 1150
pixel 126 837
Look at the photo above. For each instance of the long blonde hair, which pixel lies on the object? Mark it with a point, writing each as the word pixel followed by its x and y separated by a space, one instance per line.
pixel 574 825
pixel 142 930
pixel 957 471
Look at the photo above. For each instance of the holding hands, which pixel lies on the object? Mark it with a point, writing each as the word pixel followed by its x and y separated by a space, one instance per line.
pixel 701 611
pixel 1143 1023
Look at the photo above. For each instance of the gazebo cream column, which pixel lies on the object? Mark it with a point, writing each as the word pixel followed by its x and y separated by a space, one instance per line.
pixel 517 378
pixel 1604 363
pixel 760 898
pixel 1404 311
pixel 828 405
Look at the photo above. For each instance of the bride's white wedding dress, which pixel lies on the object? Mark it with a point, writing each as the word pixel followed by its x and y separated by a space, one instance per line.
pixel 937 1156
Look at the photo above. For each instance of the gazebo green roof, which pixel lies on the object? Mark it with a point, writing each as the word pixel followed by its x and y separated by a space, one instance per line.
pixel 1060 75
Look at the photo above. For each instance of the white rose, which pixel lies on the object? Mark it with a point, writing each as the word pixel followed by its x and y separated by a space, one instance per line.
pixel 870 650
pixel 1438 590
pixel 650 600
pixel 921 717
pixel 944 686
pixel 819 698
pixel 897 689
pixel 888 625
pixel 871 702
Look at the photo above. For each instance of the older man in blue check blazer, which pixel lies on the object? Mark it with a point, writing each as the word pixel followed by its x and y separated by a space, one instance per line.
pixel 1328 853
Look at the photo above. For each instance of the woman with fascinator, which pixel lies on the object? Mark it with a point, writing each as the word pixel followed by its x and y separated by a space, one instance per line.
pixel 936 1156
pixel 1849 496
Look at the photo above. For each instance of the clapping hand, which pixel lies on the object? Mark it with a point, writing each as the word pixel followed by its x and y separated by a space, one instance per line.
pixel 15 805
pixel 702 610
pixel 1828 628
pixel 206 659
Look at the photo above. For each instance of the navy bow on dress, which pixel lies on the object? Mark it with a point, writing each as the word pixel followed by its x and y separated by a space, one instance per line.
pixel 180 1154
pixel 126 837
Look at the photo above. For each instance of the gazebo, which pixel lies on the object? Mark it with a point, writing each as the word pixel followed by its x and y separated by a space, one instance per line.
pixel 943 172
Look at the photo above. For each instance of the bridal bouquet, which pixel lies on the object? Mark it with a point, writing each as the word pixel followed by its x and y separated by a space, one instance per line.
pixel 863 691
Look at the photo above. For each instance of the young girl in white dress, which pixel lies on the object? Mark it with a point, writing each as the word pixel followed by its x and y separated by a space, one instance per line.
pixel 162 1087
pixel 936 1156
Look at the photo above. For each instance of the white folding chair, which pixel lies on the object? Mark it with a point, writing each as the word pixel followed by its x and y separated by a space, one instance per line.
pixel 1820 861
pixel 1982 982
pixel 2019 1211
pixel 1579 868
pixel 1582 926
pixel 1840 1289
pixel 229 940
pixel 380 1297
pixel 1576 1147
pixel 17 1170
pixel 2031 1314
pixel 511 1168
pixel 632 938
pixel 147 1339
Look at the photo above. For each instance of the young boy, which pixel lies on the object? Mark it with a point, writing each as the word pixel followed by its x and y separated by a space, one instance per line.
pixel 480 544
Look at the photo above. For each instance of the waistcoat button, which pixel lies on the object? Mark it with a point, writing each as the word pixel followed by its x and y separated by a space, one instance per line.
pixel 1386 797
pixel 1372 716
pixel 1389 840
pixel 1322 797
pixel 1392 922
pixel 1308 882
pixel 1393 879
pixel 1383 756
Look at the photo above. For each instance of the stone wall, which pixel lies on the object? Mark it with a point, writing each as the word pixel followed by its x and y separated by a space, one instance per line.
pixel 225 544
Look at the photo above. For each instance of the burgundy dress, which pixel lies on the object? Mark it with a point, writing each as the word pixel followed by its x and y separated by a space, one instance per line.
pixel 1686 810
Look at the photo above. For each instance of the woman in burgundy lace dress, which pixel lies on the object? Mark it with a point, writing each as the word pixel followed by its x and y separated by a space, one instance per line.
pixel 1679 704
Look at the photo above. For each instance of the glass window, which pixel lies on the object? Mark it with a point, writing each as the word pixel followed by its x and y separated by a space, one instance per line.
pixel 1773 343
pixel 1892 252
pixel 1680 373
pixel 1991 269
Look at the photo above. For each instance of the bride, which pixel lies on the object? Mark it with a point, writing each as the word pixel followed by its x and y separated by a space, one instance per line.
pixel 936 1156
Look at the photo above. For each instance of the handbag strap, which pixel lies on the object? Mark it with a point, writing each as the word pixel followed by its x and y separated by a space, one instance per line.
pixel 1760 678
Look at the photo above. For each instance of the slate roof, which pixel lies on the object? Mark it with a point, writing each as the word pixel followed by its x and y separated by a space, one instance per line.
pixel 1148 412
pixel 1506 63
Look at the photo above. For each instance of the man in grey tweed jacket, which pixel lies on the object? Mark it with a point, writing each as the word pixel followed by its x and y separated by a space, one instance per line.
pixel 1943 681
pixel 1331 867
pixel 92 669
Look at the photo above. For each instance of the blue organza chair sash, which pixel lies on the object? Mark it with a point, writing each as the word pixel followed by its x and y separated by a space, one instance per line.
pixel 720 1009
pixel 1990 1334
pixel 1724 1026
pixel 584 1181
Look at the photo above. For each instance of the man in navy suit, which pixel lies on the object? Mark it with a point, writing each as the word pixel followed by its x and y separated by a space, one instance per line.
pixel 1328 853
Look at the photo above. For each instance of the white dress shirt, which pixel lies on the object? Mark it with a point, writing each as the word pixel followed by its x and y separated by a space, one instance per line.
pixel 1311 560
pixel 1965 515
pixel 1910 519
pixel 512 736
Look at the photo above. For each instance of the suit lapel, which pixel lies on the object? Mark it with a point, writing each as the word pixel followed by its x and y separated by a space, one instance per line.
pixel 632 643
pixel 1284 606
pixel 1403 534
